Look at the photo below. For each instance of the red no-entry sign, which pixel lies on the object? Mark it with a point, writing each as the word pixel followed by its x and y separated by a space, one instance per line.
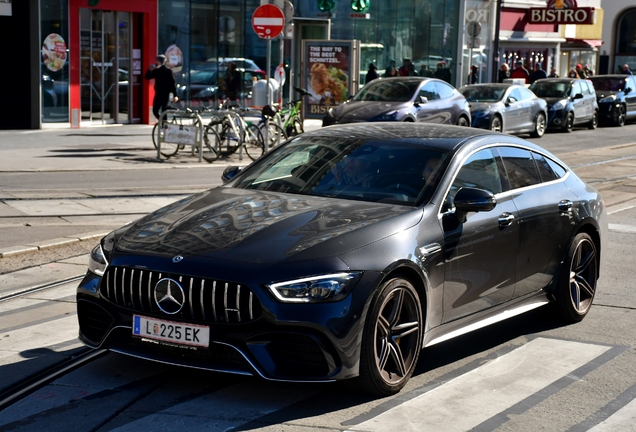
pixel 268 21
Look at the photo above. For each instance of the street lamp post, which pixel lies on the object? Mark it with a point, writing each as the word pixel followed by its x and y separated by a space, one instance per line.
pixel 495 57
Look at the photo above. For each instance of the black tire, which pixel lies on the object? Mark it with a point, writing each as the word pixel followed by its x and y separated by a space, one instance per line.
pixel 211 144
pixel 228 141
pixel 391 339
pixel 463 121
pixel 568 125
pixel 577 284
pixel 593 124
pixel 253 143
pixel 540 126
pixel 295 128
pixel 619 119
pixel 167 149
pixel 496 124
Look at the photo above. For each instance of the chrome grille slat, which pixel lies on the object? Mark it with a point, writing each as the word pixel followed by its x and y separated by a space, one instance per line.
pixel 132 285
pixel 133 288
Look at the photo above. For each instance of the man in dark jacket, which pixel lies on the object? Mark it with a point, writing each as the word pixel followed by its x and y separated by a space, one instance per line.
pixel 164 85
pixel 538 73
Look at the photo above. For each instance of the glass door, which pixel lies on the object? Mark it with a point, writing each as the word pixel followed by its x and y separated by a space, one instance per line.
pixel 105 61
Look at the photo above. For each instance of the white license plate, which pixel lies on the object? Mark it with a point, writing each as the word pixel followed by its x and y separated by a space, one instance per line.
pixel 170 331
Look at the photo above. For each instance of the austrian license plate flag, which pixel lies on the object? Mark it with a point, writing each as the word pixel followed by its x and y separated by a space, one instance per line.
pixel 170 331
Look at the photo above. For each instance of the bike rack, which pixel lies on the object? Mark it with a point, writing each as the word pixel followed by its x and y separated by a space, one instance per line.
pixel 184 136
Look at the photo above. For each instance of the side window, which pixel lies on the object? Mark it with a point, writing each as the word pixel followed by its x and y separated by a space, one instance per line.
pixel 444 90
pixel 631 83
pixel 429 91
pixel 588 88
pixel 515 95
pixel 520 167
pixel 545 170
pixel 576 88
pixel 525 94
pixel 479 171
pixel 558 170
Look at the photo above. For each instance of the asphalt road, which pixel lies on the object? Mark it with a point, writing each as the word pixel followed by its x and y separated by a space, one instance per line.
pixel 525 374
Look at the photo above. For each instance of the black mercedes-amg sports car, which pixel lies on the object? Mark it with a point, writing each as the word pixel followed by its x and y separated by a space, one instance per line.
pixel 345 251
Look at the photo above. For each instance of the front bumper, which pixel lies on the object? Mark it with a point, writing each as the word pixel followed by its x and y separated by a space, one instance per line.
pixel 556 117
pixel 280 341
pixel 607 111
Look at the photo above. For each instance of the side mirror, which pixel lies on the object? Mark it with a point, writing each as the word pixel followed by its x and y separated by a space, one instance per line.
pixel 510 100
pixel 578 96
pixel 229 173
pixel 628 89
pixel 472 200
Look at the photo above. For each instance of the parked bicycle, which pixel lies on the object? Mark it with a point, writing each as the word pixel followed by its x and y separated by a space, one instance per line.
pixel 291 114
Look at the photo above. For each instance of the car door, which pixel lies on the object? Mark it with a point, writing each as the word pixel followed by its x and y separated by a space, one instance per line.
pixel 544 220
pixel 526 120
pixel 480 254
pixel 514 111
pixel 578 102
pixel 431 111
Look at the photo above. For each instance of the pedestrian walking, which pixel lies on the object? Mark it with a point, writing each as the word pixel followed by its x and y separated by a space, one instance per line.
pixel 232 82
pixel 504 73
pixel 538 73
pixel 580 72
pixel 442 72
pixel 520 72
pixel 371 73
pixel 164 85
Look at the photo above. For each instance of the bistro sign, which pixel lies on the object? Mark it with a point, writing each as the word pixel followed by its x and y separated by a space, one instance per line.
pixel 562 12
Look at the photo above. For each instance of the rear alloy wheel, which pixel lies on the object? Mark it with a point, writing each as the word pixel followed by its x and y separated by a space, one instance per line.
pixel 539 126
pixel 496 125
pixel 391 340
pixel 619 120
pixel 463 121
pixel 577 285
pixel 594 122
pixel 569 123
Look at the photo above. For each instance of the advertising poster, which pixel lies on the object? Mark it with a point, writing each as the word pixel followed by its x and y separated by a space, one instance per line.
pixel 329 74
pixel 54 52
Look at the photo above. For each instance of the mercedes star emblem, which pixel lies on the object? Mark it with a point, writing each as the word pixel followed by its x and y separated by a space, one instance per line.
pixel 169 296
pixel 177 259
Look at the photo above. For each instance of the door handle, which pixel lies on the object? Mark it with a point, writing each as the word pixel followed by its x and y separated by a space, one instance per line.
pixel 565 206
pixel 506 219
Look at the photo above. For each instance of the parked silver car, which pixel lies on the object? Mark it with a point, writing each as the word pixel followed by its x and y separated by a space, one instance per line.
pixel 508 108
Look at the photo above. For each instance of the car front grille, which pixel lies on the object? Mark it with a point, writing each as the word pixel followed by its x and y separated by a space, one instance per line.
pixel 204 299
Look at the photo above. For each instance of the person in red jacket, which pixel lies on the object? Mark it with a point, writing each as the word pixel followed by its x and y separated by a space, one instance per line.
pixel 520 72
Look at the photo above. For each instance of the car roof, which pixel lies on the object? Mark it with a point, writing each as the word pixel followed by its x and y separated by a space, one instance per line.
pixel 613 76
pixel 497 85
pixel 444 137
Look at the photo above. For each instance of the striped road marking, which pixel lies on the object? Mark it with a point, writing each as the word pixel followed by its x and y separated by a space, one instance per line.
pixel 484 392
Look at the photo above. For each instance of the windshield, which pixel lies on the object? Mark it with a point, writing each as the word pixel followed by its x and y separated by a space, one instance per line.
pixel 608 84
pixel 483 94
pixel 388 91
pixel 398 172
pixel 551 89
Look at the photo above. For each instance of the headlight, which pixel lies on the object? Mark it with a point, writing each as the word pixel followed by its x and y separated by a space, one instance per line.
pixel 610 98
pixel 388 116
pixel 559 105
pixel 315 289
pixel 97 261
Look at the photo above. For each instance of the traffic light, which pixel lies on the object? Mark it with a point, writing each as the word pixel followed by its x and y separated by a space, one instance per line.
pixel 326 5
pixel 360 5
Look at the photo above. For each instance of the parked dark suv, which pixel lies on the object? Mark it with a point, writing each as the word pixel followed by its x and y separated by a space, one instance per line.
pixel 616 98
pixel 570 101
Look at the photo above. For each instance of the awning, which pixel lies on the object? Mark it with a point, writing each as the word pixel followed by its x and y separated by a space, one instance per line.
pixel 594 43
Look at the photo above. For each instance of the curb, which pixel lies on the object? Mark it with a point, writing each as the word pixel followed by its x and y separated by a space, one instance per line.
pixel 47 244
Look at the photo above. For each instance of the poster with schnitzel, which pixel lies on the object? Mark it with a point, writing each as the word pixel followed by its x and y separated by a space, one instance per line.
pixel 329 75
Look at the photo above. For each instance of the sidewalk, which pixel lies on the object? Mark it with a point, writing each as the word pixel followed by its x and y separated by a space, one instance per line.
pixel 35 220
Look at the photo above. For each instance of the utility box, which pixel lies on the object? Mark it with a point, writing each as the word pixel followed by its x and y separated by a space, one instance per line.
pixel 259 93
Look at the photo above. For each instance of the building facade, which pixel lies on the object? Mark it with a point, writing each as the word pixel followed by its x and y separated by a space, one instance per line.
pixel 84 60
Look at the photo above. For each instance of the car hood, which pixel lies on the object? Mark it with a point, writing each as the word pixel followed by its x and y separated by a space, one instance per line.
pixel 262 227
pixel 476 106
pixel 357 111
pixel 553 100
pixel 605 93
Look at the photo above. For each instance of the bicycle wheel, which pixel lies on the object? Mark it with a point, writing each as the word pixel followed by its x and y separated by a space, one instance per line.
pixel 253 143
pixel 167 149
pixel 294 128
pixel 275 135
pixel 211 144
pixel 230 141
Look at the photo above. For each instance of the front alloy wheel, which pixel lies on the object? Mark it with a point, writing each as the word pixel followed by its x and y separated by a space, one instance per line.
pixel 496 125
pixel 392 339
pixel 577 286
pixel 540 125
pixel 619 120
